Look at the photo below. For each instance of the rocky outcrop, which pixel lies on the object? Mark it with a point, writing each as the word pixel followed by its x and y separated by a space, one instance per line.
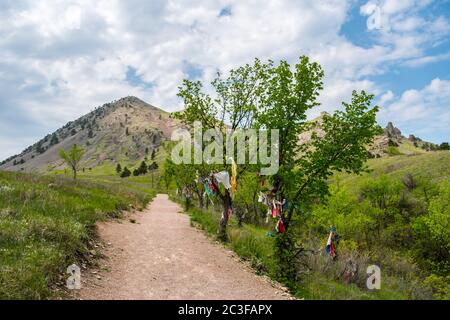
pixel 392 132
pixel 392 136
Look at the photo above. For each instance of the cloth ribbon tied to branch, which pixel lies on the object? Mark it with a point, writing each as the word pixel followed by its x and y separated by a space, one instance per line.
pixel 233 176
pixel 223 177
pixel 330 248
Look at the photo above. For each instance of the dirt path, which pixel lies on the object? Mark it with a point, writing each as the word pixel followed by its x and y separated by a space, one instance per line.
pixel 162 257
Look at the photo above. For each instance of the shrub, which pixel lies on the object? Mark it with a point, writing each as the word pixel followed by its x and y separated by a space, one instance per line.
pixel 393 151
pixel 432 232
pixel 125 173
pixel 440 286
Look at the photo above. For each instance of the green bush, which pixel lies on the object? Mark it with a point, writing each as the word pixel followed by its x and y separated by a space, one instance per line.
pixel 393 151
pixel 432 232
pixel 440 286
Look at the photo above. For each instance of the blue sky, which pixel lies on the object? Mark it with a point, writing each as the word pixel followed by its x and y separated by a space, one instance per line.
pixel 60 59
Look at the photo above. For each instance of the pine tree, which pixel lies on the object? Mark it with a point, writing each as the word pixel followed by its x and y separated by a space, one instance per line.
pixel 54 140
pixel 142 168
pixel 119 168
pixel 444 146
pixel 125 173
pixel 153 166
pixel 39 148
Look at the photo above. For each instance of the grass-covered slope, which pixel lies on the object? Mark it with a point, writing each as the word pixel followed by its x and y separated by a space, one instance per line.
pixel 46 223
pixel 434 166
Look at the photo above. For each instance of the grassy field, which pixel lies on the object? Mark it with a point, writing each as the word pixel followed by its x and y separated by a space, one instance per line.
pixel 46 223
pixel 434 166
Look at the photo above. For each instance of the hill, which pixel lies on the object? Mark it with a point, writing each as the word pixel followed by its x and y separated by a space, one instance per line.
pixel 125 130
pixel 433 166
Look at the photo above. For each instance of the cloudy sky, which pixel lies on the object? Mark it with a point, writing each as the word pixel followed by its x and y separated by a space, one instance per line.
pixel 60 59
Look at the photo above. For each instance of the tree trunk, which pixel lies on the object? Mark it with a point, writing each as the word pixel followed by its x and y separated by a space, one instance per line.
pixel 224 221
pixel 255 206
pixel 207 202
pixel 188 202
pixel 200 198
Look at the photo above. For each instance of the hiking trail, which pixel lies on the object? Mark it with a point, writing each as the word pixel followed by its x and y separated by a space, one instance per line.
pixel 161 256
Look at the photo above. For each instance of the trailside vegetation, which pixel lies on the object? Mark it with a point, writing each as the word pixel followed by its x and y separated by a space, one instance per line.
pixel 385 221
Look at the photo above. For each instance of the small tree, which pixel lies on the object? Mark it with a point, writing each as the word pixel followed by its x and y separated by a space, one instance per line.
pixel 72 158
pixel 125 173
pixel 153 154
pixel 54 140
pixel 444 146
pixel 119 168
pixel 142 168
pixel 169 172
pixel 153 166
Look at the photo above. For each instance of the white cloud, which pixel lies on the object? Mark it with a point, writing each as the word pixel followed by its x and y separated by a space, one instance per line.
pixel 386 97
pixel 418 62
pixel 425 111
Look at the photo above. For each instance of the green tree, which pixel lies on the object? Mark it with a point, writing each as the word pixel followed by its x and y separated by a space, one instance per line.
pixel 39 148
pixel 119 168
pixel 168 174
pixel 332 143
pixel 444 146
pixel 142 168
pixel 236 99
pixel 125 173
pixel 153 166
pixel 432 232
pixel 54 140
pixel 72 158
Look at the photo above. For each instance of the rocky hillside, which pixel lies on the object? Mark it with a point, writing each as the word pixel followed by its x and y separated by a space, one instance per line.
pixel 392 142
pixel 125 130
